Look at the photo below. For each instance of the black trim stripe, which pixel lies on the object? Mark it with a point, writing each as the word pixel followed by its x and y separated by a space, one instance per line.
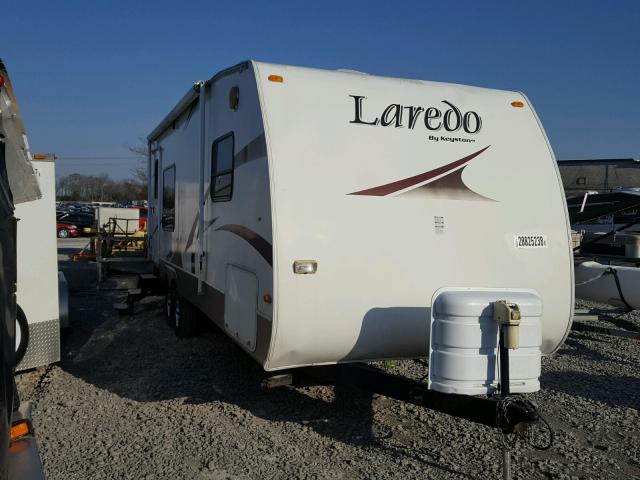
pixel 262 246
pixel 209 223
pixel 255 149
pixel 192 233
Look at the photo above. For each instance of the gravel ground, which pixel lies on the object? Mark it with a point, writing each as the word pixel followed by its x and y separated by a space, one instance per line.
pixel 130 400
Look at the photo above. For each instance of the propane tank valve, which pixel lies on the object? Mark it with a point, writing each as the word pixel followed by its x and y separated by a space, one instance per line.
pixel 508 317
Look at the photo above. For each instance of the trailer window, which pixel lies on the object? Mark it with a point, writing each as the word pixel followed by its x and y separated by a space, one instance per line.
pixel 222 168
pixel 155 179
pixel 169 198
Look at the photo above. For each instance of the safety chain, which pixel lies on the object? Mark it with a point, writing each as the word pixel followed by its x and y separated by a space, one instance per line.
pixel 502 407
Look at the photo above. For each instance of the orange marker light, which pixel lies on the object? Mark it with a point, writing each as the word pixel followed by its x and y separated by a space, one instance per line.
pixel 517 104
pixel 276 78
pixel 39 156
pixel 19 430
pixel 267 298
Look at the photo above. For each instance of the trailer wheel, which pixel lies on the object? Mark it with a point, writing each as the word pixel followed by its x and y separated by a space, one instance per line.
pixel 186 320
pixel 22 335
pixel 170 306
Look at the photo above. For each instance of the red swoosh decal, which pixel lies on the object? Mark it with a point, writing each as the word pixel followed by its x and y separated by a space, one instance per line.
pixel 393 187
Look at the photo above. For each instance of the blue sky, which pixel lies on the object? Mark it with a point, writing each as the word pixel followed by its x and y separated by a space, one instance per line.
pixel 93 76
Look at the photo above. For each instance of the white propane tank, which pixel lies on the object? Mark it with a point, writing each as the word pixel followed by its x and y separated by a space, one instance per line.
pixel 464 342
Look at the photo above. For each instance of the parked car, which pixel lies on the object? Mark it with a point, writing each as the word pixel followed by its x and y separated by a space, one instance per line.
pixel 66 230
pixel 85 222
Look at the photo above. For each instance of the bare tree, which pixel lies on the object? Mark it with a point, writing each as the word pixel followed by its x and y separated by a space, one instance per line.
pixel 89 188
pixel 102 188
pixel 140 171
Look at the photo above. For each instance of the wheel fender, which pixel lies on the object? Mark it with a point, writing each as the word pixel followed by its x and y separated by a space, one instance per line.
pixel 21 321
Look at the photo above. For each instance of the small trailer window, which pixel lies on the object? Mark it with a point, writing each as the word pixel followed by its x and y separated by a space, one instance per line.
pixel 222 168
pixel 169 198
pixel 155 179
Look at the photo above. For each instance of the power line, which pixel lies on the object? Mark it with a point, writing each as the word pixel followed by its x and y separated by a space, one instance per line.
pixel 89 157
pixel 97 162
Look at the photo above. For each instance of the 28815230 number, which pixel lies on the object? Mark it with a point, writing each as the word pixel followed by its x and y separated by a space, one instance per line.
pixel 530 241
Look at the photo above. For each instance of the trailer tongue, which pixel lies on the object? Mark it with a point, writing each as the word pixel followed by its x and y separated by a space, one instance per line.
pixel 499 334
pixel 510 414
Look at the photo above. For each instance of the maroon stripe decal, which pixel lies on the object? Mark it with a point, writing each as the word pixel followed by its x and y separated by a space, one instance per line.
pixel 262 246
pixel 393 187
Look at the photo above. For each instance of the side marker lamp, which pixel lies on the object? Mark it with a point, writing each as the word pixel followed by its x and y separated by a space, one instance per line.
pixel 20 429
pixel 305 267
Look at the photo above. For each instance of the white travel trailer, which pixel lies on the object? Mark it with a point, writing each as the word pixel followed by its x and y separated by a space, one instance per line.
pixel 320 217
pixel 42 305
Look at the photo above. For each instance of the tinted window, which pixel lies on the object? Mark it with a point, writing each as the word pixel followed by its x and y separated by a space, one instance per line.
pixel 222 168
pixel 78 219
pixel 155 179
pixel 169 198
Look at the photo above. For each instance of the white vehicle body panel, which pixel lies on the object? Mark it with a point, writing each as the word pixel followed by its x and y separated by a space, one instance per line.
pixel 390 213
pixel 37 270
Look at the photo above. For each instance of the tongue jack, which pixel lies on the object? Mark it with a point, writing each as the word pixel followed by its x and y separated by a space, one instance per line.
pixel 507 315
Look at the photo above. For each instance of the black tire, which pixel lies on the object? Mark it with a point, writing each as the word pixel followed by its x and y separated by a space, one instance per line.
pixel 186 318
pixel 63 233
pixel 21 323
pixel 170 306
